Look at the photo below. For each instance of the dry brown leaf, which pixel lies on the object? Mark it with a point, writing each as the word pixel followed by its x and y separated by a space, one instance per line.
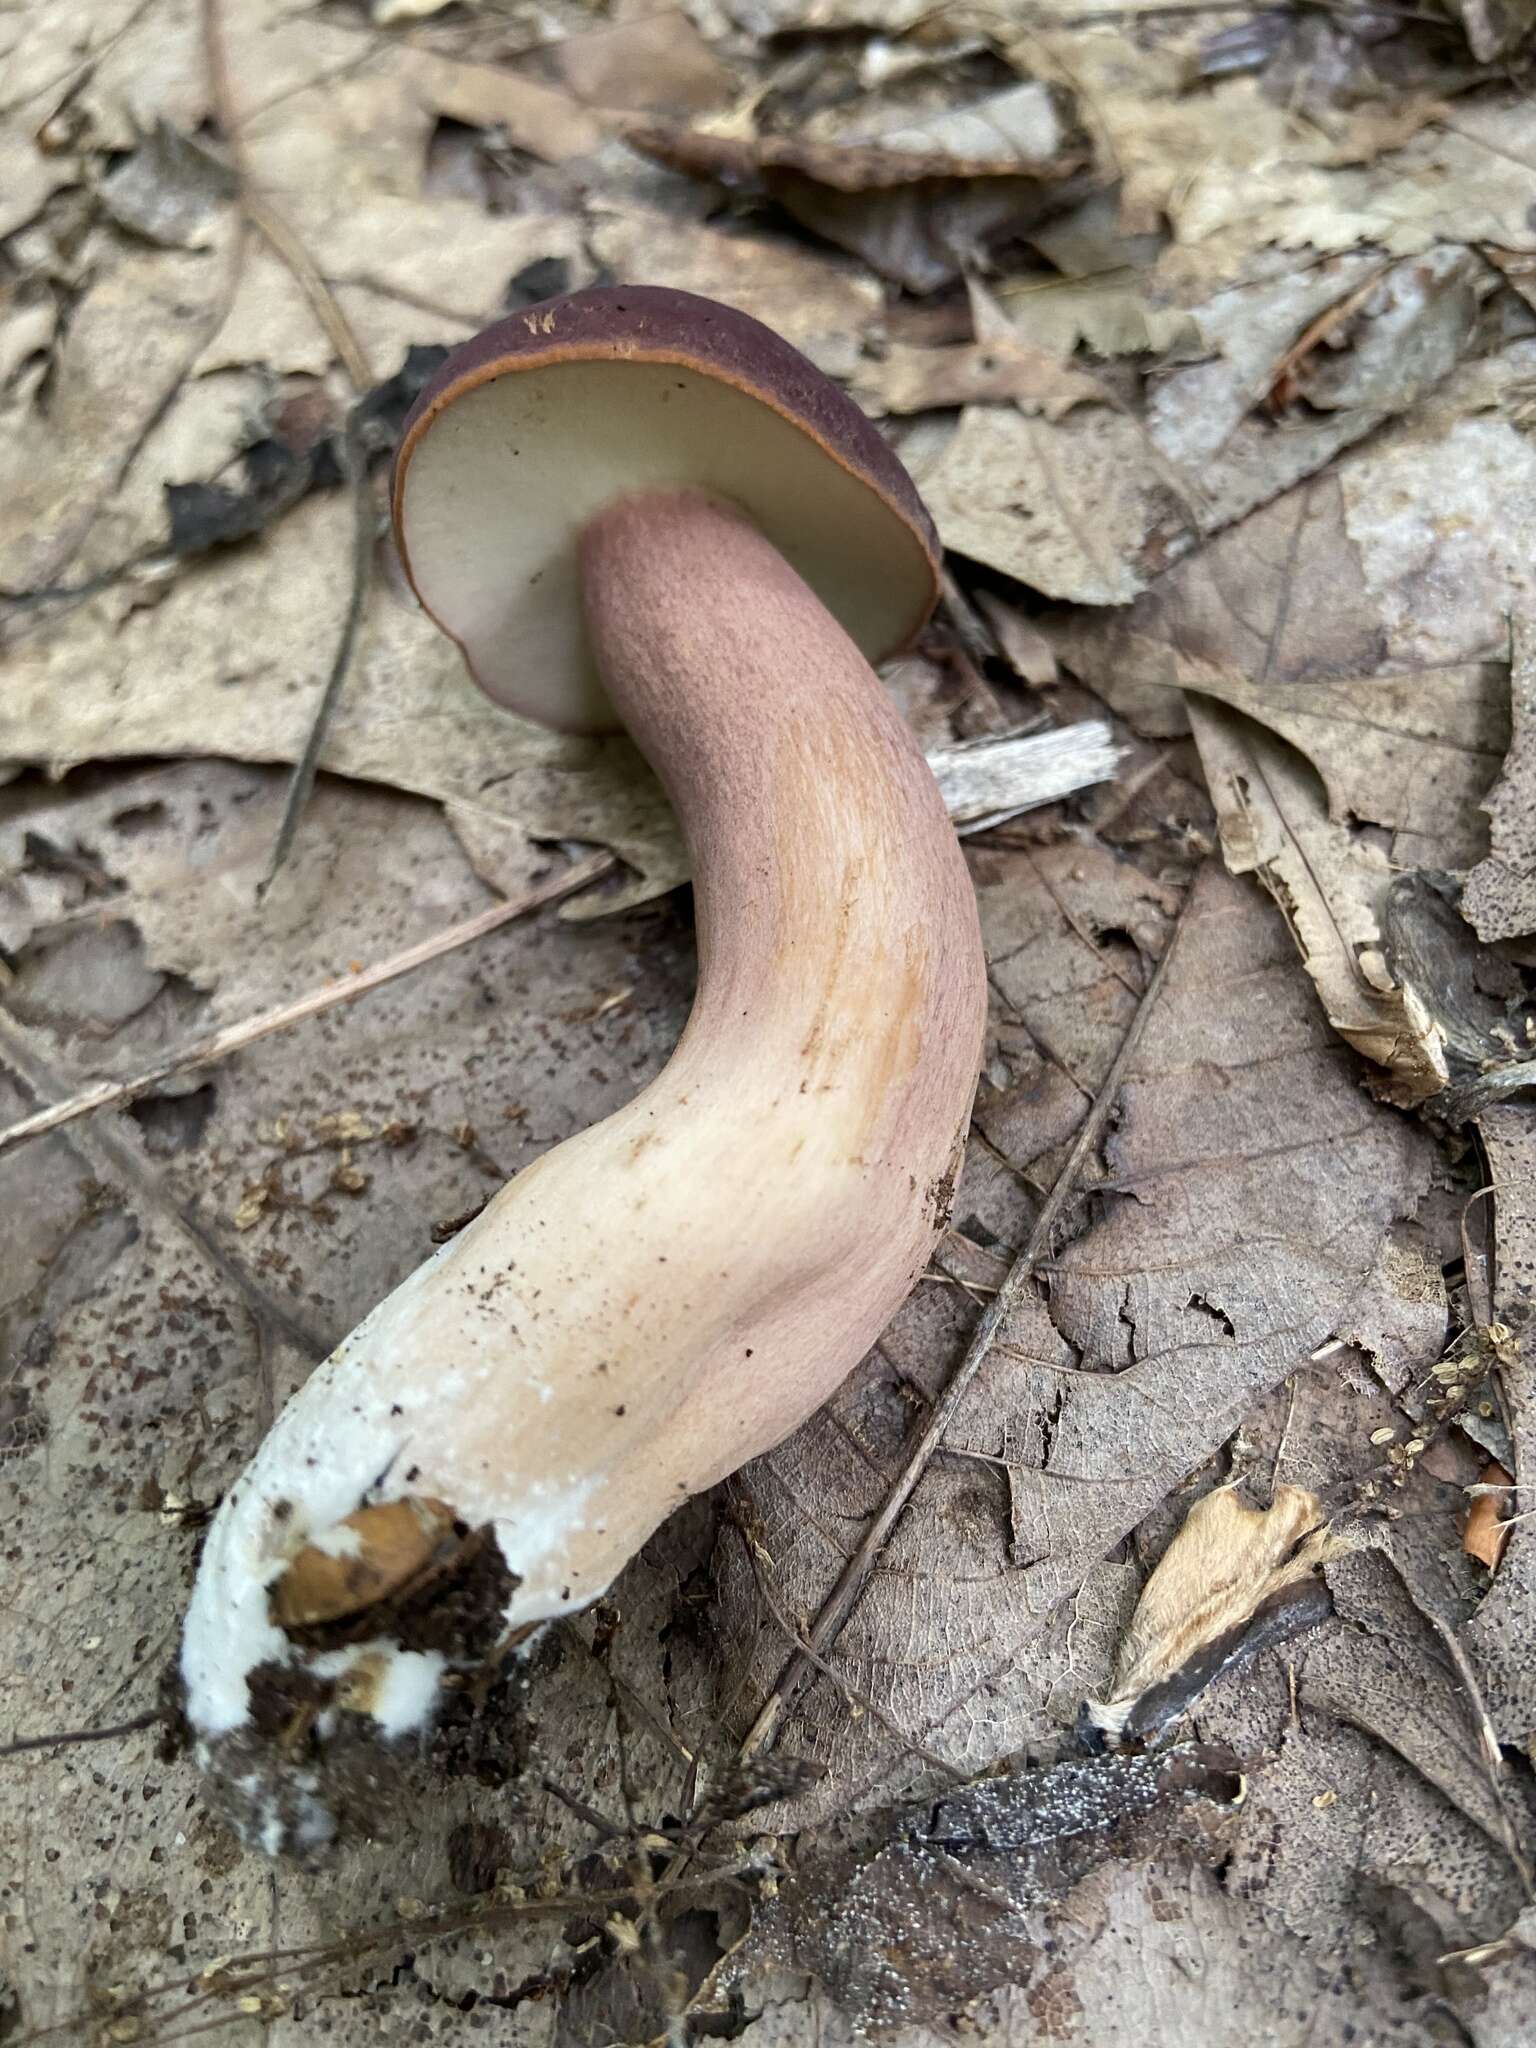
pixel 951 1903
pixel 904 379
pixel 539 118
pixel 1309 617
pixel 1092 508
pixel 119 359
pixel 166 189
pixel 652 64
pixel 1495 28
pixel 1113 315
pixel 1235 1579
pixel 1465 177
pixel 918 202
pixel 1385 1671
pixel 1072 507
pixel 1223 158
pixel 1024 647
pixel 1483 1533
pixel 1015 133
pixel 1332 889
pixel 1165 1320
pixel 1500 893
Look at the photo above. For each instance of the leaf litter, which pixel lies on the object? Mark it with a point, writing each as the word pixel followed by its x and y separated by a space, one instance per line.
pixel 1210 340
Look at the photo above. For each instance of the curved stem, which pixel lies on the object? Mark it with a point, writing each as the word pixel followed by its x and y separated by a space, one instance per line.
pixel 674 1290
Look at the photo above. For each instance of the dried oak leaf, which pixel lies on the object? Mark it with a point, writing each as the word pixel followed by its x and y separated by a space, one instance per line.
pixel 653 64
pixel 1235 1580
pixel 1303 632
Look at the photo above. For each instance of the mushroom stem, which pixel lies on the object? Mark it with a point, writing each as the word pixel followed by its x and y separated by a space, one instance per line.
pixel 841 986
pixel 676 1289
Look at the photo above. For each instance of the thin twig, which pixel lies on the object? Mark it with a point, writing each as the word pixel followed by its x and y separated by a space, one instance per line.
pixel 232 1038
pixel 863 1700
pixel 582 1811
pixel 290 251
pixel 354 462
pixel 851 1580
pixel 264 218
pixel 25 1744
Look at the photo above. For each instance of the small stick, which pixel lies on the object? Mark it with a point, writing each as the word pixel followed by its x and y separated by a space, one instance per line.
pixel 354 457
pixel 234 1037
pixel 269 224
pixel 851 1580
pixel 25 1744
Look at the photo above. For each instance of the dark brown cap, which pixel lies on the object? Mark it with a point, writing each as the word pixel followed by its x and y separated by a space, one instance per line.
pixel 531 428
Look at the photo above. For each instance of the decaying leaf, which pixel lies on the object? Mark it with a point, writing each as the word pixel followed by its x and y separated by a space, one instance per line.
pixel 652 64
pixel 1385 1671
pixel 960 1895
pixel 904 379
pixel 1331 888
pixel 1070 507
pixel 166 189
pixel 1163 1322
pixel 1235 1580
pixel 1500 893
pixel 1495 28
pixel 918 201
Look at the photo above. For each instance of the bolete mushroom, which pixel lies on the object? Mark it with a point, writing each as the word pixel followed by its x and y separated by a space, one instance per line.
pixel 633 507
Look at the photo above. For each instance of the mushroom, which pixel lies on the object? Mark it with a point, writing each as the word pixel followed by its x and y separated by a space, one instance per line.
pixel 632 508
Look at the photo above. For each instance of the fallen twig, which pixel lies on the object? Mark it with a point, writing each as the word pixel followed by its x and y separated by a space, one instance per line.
pixel 269 224
pixel 234 1037
pixel 24 1745
pixel 840 1602
pixel 290 251
pixel 354 459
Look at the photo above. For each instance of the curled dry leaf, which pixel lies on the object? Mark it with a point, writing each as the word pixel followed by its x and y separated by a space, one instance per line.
pixel 1483 1533
pixel 1332 889
pixel 1235 1580
pixel 1301 637
pixel 920 202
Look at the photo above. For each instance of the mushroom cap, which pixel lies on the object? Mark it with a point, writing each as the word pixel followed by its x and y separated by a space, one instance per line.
pixel 529 430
